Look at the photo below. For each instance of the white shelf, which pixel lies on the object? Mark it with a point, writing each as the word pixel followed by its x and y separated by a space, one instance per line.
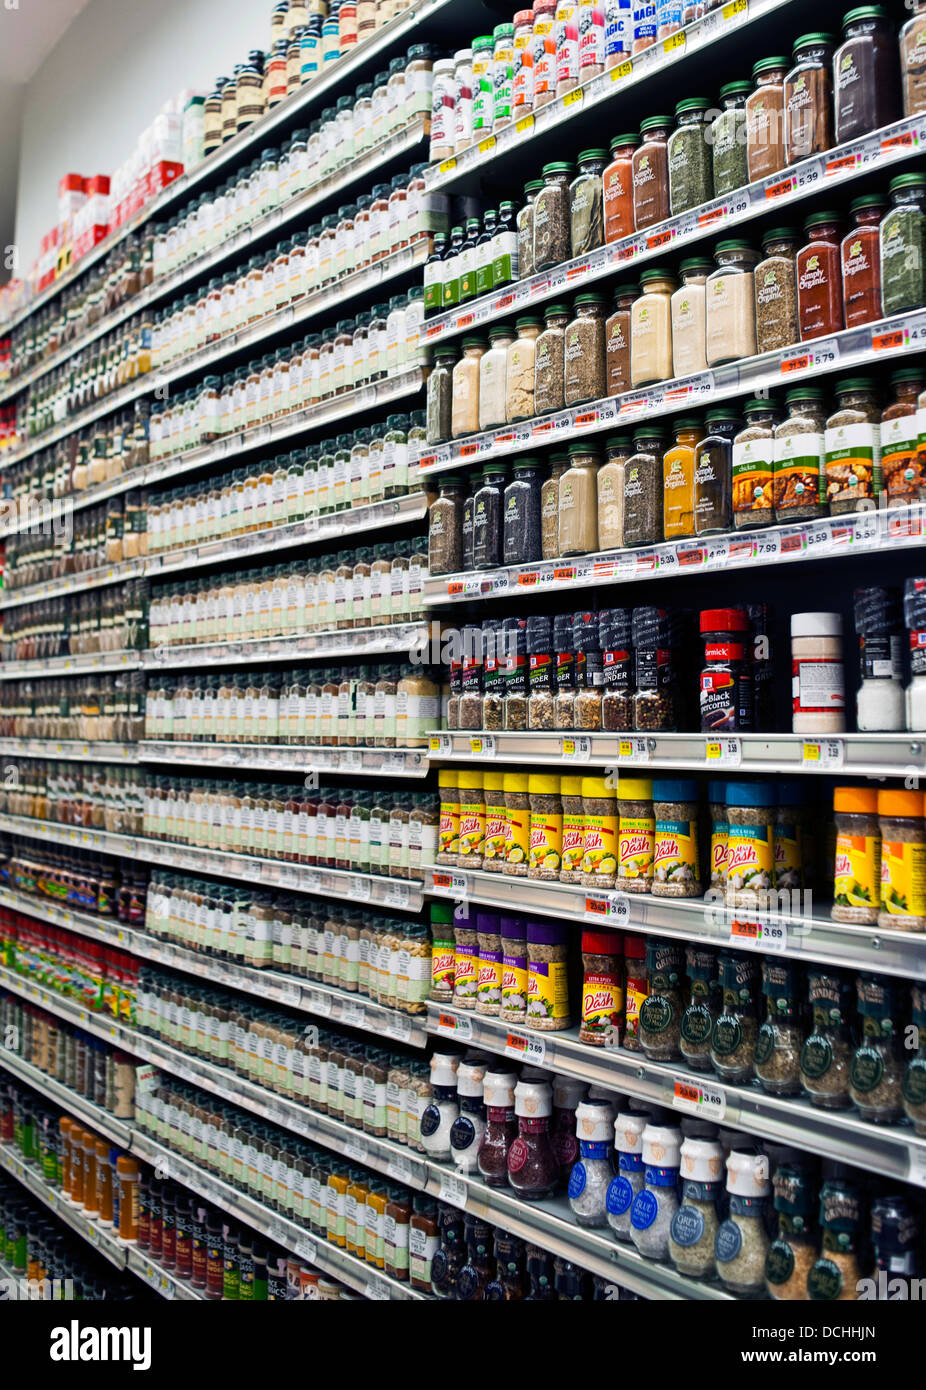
pixel 285 757
pixel 70 750
pixel 342 642
pixel 80 665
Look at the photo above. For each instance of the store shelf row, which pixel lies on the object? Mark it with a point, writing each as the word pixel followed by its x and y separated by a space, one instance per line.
pixel 70 750
pixel 312 997
pixel 374 516
pixel 101 1237
pixel 846 163
pixel 368 889
pixel 851 755
pixel 368 762
pixel 829 538
pixel 807 936
pixel 81 665
pixel 895 1152
pixel 852 347
pixel 344 74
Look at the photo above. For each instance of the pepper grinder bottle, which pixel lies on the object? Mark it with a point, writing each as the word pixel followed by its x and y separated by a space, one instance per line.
pixel 468 1128
pixel 498 1090
pixel 591 1176
pixel 443 1108
pixel 532 1165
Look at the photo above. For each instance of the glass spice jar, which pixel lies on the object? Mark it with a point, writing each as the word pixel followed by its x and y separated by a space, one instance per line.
pixel 586 204
pixel 808 98
pixel 776 291
pixel 493 369
pixel 551 216
pixel 728 135
pixel 730 324
pixel 861 261
pixel 525 226
pixel 532 1165
pixel 865 93
pixel 678 470
pixel 836 1275
pixel 688 318
pixel 617 340
pixel 713 473
pixel 643 490
pixel 780 1039
pixel 617 189
pixel 591 1175
pixel 754 464
pixel 741 1245
pixel 549 360
pixel 653 1208
pixel 577 513
pixel 519 382
pixel 793 1251
pixel 628 1137
pixel 765 147
pixel 691 179
pixel 498 1091
pixel 818 271
pixel 439 406
pixel 694 1227
pixel 826 1054
pixel 914 1077
pixel 659 1023
pixel 697 1020
pixel 521 530
pixel 852 452
pixel 464 417
pixel 584 351
pixel 903 245
pixel 876 1068
pixel 650 165
pixel 651 329
pixel 799 456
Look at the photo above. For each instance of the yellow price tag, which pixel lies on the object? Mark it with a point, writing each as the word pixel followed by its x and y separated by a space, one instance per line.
pixel 486 145
pixel 734 8
pixel 435 745
pixel 525 123
pixel 571 98
pixel 569 747
pixel 674 42
pixel 624 70
pixel 625 748
pixel 713 751
pixel 447 166
pixel 812 752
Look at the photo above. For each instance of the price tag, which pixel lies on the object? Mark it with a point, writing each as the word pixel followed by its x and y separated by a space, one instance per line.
pixel 525 124
pixel 735 12
pixel 400 1170
pixel 725 752
pixel 690 556
pixel 453 1191
pixel 358 1152
pixel 674 45
pixel 482 746
pixel 619 909
pixel 577 749
pixel 916 1172
pixel 824 753
pixel 455 1026
pixel 447 167
pixel 399 1027
pixel 619 73
pixel 666 559
pixel 291 994
pixel 573 98
pixel 763 936
pixel 892 340
pixel 454 885
pixel 700 1098
pixel 397 895
pixel 359 887
pixel 353 1015
pixel 317 1003
pixel 718 552
pixel 633 750
pixel 378 1290
pixel 441 744
pixel 487 145
pixel 306 1250
pixel 767 546
pixel 526 1049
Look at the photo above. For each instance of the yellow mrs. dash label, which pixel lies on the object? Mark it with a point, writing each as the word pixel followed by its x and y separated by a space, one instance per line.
pixel 903 879
pixel 857 878
pixel 675 852
pixel 636 847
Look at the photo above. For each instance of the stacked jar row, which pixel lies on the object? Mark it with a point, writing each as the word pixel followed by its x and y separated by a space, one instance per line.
pixel 392 833
pixel 101 979
pixel 367 706
pixel 95 796
pixel 109 449
pixel 111 362
pixel 107 534
pixel 98 709
pixel 382 958
pixel 98 621
pixel 333 592
pixel 73 878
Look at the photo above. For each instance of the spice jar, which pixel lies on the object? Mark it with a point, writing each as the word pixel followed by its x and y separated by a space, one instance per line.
pixel 465 409
pixel 551 216
pixel 439 405
pixel 818 683
pixel 741 1246
pixel 750 864
pixel 818 269
pixel 876 1068
pixel 661 1011
pixel 808 98
pixel 675 853
pixel 690 170
pixel 836 1275
pixel 547 982
pixel 903 465
pixel 519 381
pixel 781 1037
pixel 914 1077
pixel 610 486
pixel 653 1208
pixel 600 833
pixel 586 204
pixel 688 318
pixel 517 824
pixel 697 1020
pixel 546 828
pixel 650 168
pixel 765 148
pixel 857 872
pixel 578 487
pixel 656 700
pixel 602 1018
pixel 592 1174
pixel 860 255
pixel 439 1115
pixel 493 368
pixel 501 1126
pixel 726 689
pixel 549 360
pixel 471 831
pixel 730 322
pixel 651 329
pixel 532 1165
pixel 793 1251
pixel 617 189
pixel 643 490
pixel 617 340
pixel 585 351
pixel 826 1053
pixel 754 465
pixel 879 701
pixel 799 456
pixel 694 1226
pixel 903 861
pixel 442 953
pixel 468 1128
pixel 903 239
pixel 513 1008
pixel 713 473
pixel 628 1144
pixel 776 291
pixel 729 135
pixel 865 74
pixel 448 835
pixel 488 505
pixel 525 226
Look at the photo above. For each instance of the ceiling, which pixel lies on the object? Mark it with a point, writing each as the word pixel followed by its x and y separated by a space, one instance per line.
pixel 29 30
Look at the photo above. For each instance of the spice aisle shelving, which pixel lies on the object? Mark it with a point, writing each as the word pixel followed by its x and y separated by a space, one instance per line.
pixel 367 762
pixel 70 750
pixel 841 165
pixel 852 347
pixel 100 1237
pixel 895 1152
pixel 294 991
pixel 813 937
pixel 351 522
pixel 401 893
pixel 70 665
pixel 389 639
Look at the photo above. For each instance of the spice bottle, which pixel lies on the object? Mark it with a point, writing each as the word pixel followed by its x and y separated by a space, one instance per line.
pixel 817 678
pixel 661 1010
pixel 690 167
pixel 776 291
pixel 903 861
pixel 567 1093
pixel 468 1128
pixel 799 456
pixel 860 254
pixel 611 493
pixel 765 148
pixel 879 701
pixel 651 329
pixel 532 1165
pixel 865 74
pixel 857 871
pixel 818 269
pixel 617 186
pixel 549 350
pixel 781 1037
pixel 439 405
pixel 912 74
pixel 793 1251
pixel 471 832
pixel 697 1020
pixel 729 135
pixel 730 323
pixel 653 1208
pixel 602 1018
pixel 617 341
pixel 713 473
pixel 808 98
pixel 584 351
pixel 513 1007
pixel 628 1144
pixel 826 1053
pixel 875 1071
pixel 547 981
pixel 852 444
pixel 578 487
pixel 525 229
pixel 741 1246
pixel 488 506
pixel 903 245
pixel 600 833
pixel 650 165
pixel 551 216
pixel 903 463
pixel 493 370
pixel 750 868
pixel 726 694
pixel 517 824
pixel 592 1174
pixel 464 417
pixel 688 318
pixel 643 491
pixel 914 1077
pixel 442 953
pixel 754 464
pixel 586 204
pixel 546 828
pixel 521 531
pixel 836 1275
pixel 438 1116
pixel 615 642
pixel 676 872
pixel 448 841
pixel 694 1226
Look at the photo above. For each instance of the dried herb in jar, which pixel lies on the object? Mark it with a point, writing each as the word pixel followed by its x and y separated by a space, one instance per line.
pixel 733 1037
pixel 661 1011
pixel 781 1037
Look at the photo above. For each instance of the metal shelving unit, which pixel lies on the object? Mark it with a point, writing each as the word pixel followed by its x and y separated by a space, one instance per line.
pixel 366 762
pixel 70 750
pixel 365 641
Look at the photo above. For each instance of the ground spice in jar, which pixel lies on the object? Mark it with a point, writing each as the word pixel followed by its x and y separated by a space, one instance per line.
pixel 857 870
pixel 697 1021
pixel 713 473
pixel 754 465
pixel 852 444
pixel 578 488
pixel 519 382
pixel 547 977
pixel 617 187
pixel 602 1019
pixel 493 369
pixel 636 835
pixel 546 828
pixel 600 833
pixel 688 318
pixel 651 329
pixel 860 255
pixel 730 323
pixel 659 1024
pixel 765 149
pixel 808 98
pixel 650 164
pixel 818 269
pixel 776 291
pixel 903 861
pixel 741 1246
pixel 517 824
pixel 678 468
pixel 865 74
pixel 827 1051
pixel 465 410
pixel 694 1227
pixel 676 873
pixel 549 360
pixel 617 339
pixel 914 1079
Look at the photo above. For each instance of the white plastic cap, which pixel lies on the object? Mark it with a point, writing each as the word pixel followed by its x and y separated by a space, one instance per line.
pixel 567 1092
pixel 701 1160
pixel 444 1069
pixel 498 1089
pixel 463 55
pixel 816 624
pixel 594 1121
pixel 469 1078
pixel 533 1099
pixel 661 1146
pixel 747 1174
pixel 628 1132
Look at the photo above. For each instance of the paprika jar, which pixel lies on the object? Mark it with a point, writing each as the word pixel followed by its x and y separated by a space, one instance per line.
pixel 650 164
pixel 865 74
pixel 819 278
pixel 765 142
pixel 860 254
pixel 808 98
pixel 617 189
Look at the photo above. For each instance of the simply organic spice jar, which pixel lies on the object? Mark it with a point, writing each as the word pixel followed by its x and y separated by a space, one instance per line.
pixel 776 291
pixel 688 318
pixel 860 255
pixel 586 204
pixel 690 172
pixel 903 245
pixel 808 98
pixel 551 216
pixel 818 269
pixel 765 147
pixel 865 72
pixel 584 351
pixel 650 165
pixel 643 490
pixel 754 465
pixel 799 456
pixel 617 186
pixel 578 487
pixel 730 322
pixel 651 329
pixel 617 340
pixel 549 360
pixel 728 137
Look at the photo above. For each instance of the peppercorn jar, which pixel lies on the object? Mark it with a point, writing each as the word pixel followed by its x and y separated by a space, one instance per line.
pixel 592 1174
pixel 691 179
pixel 775 288
pixel 799 456
pixel 584 351
pixel 808 98
pixel 694 1226
pixel 651 329
pixel 728 137
pixel 445 527
pixel 676 872
pixel 697 1020
pixel 876 1068
pixel 566 674
pixel 903 245
pixel 521 527
pixel 643 490
pixel 826 1054
pixel 493 375
pixel 650 165
pixel 628 1144
pixel 659 1023
pixel 865 74
pixel 730 320
pixel 545 854
pixel 519 380
pixel 860 255
pixel 488 510
pixel 741 1244
pixel 602 1017
pixel 532 1165
pixel 780 1039
pixel 617 662
pixel 586 204
pixel 818 271
pixel 551 216
pixel 578 488
pixel 654 1206
pixel 713 473
pixel 793 1251
pixel 754 465
pixel 440 396
pixel 765 149
pixel 657 698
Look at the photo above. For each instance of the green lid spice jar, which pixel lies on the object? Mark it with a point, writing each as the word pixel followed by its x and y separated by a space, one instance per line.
pixel 852 446
pixel 586 204
pixel 733 1036
pixel 549 349
pixel 525 228
pixel 688 317
pixel 903 245
pixel 584 352
pixel 793 1251
pixel 754 465
pixel 650 163
pixel 799 461
pixel 643 490
pixel 697 1021
pixel 808 98
pixel 781 1036
pixel 713 473
pixel 728 137
pixel 835 1275
pixel 875 1072
pixel 765 148
pixel 691 180
pixel 914 1077
pixel 730 322
pixel 776 291
pixel 865 73
pixel 659 1024
pixel 551 216
pixel 826 1053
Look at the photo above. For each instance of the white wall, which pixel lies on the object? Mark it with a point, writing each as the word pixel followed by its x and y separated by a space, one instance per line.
pixel 105 81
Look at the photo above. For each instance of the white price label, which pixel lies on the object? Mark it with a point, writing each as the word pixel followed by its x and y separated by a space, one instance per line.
pixel 306 1250
pixel 359 887
pixel 824 753
pixel 350 760
pixel 317 1003
pixel 393 762
pixel 442 744
pixel 699 1098
pixel 916 1172
pixel 526 1049
pixel 633 750
pixel 378 1290
pixel 291 994
pixel 619 909
pixel 482 746
pixel 358 1152
pixel 453 1191
pixel 400 1170
pixel 397 895
pixel 768 546
pixel 353 1015
pixel 577 749
pixel 718 552
pixel 455 1026
pixel 762 936
pixel 725 752
pixel 399 1027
